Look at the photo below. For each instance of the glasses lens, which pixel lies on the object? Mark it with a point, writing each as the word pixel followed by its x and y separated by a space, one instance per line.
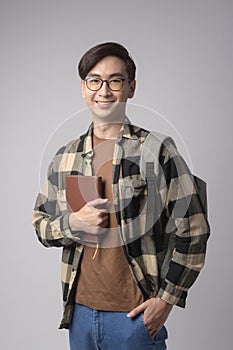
pixel 93 83
pixel 115 84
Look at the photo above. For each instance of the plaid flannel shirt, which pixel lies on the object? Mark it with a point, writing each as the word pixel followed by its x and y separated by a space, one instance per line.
pixel 165 259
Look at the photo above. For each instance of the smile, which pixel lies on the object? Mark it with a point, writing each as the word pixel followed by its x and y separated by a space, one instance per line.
pixel 104 104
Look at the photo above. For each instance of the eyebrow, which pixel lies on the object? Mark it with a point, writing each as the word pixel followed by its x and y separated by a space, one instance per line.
pixel 118 74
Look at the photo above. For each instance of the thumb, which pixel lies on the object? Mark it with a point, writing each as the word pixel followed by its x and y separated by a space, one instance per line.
pixel 137 310
pixel 98 201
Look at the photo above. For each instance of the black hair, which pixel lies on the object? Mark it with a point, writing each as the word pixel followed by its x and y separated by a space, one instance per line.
pixel 98 52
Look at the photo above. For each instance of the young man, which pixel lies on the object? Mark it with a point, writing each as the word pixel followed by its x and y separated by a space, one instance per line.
pixel 119 293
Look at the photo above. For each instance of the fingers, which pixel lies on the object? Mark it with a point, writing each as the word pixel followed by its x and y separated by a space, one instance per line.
pixel 98 201
pixel 102 219
pixel 102 215
pixel 105 221
pixel 90 218
pixel 103 212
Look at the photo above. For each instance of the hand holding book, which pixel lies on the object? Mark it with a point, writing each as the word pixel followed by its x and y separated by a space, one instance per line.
pixel 89 217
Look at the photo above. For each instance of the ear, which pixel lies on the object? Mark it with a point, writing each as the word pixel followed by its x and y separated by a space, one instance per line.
pixel 83 88
pixel 132 87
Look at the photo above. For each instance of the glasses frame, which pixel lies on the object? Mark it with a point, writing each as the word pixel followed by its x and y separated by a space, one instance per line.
pixel 107 82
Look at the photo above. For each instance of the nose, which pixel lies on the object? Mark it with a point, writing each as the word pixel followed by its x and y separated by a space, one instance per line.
pixel 104 90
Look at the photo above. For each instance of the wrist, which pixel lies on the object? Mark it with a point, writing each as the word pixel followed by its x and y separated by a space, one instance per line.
pixel 74 222
pixel 164 303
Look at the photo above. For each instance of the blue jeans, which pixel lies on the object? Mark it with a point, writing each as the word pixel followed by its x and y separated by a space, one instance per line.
pixel 104 330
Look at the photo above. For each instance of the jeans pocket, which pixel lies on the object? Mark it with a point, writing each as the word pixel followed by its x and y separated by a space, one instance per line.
pixel 145 328
pixel 162 334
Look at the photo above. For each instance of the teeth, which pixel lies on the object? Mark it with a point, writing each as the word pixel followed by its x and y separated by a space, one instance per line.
pixel 106 102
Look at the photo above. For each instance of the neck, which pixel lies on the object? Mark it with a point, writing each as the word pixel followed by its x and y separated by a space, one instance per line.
pixel 107 130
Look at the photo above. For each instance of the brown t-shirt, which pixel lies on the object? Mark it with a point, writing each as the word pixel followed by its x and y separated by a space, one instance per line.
pixel 105 282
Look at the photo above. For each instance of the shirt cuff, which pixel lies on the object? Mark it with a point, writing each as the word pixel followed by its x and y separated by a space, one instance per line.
pixel 66 230
pixel 173 295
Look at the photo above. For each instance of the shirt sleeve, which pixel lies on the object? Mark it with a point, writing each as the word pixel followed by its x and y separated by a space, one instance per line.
pixel 187 224
pixel 50 222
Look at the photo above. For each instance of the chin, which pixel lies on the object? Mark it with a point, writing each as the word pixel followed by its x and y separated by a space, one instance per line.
pixel 112 114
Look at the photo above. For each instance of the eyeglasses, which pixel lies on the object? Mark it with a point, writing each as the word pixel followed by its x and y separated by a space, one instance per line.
pixel 95 84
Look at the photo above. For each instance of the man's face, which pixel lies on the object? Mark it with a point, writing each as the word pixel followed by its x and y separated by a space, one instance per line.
pixel 105 103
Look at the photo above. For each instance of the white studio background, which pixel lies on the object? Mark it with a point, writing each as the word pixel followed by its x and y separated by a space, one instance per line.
pixel 183 51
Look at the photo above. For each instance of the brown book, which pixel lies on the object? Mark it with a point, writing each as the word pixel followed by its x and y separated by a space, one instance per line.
pixel 80 190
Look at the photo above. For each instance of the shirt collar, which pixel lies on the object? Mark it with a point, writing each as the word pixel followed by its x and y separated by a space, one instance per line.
pixel 127 131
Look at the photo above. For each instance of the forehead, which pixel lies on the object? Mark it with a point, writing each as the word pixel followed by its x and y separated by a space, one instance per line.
pixel 109 66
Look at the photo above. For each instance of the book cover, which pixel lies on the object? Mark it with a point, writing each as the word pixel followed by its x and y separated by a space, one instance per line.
pixel 81 189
